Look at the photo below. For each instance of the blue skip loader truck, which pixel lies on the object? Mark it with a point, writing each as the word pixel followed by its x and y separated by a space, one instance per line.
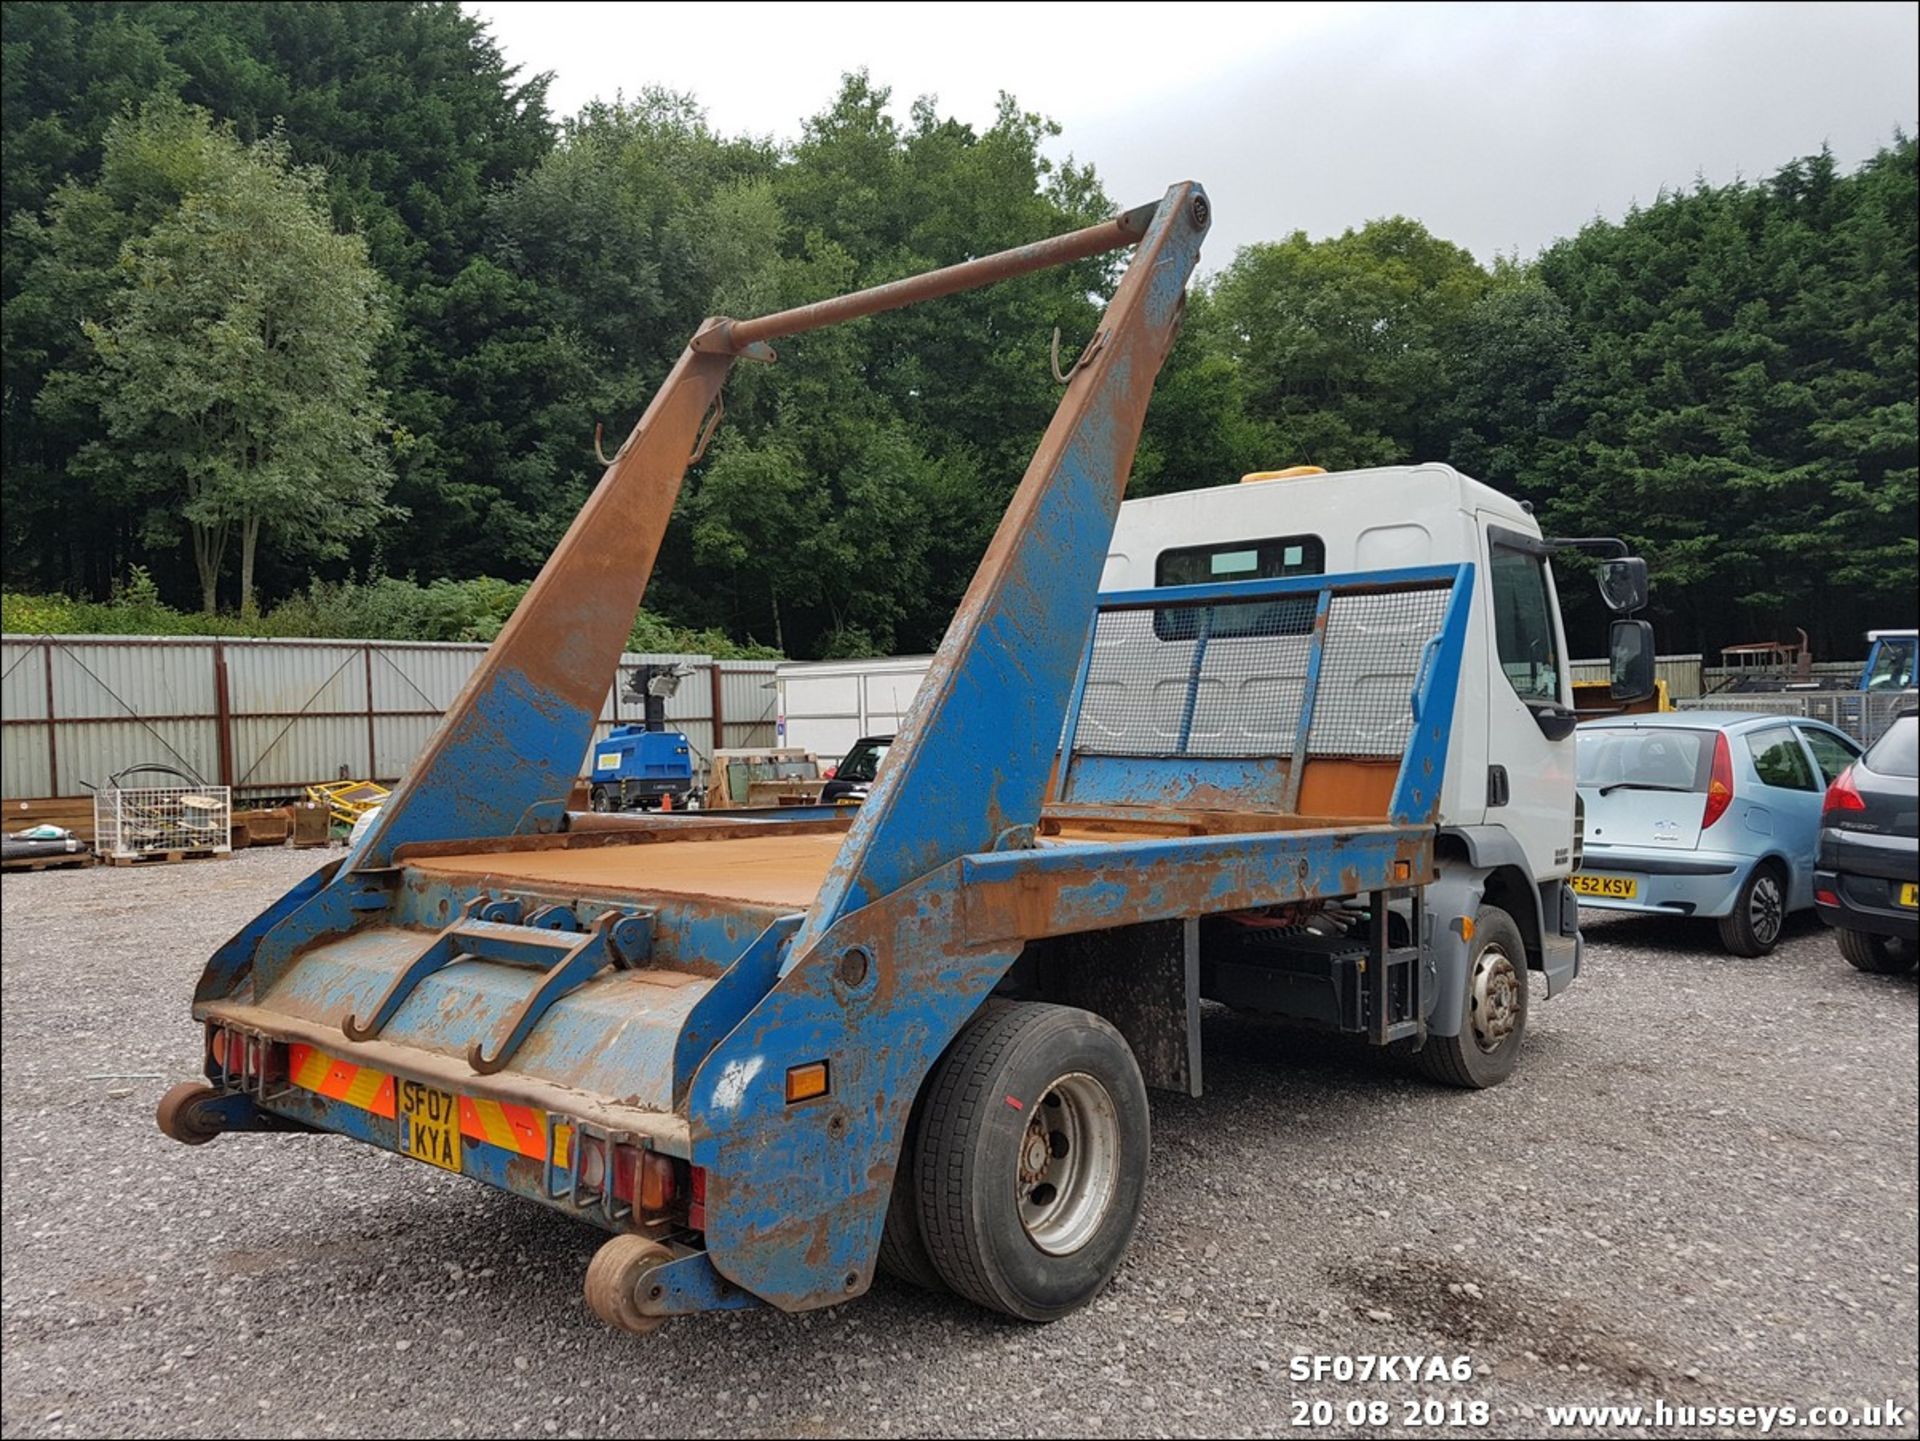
pixel 1311 757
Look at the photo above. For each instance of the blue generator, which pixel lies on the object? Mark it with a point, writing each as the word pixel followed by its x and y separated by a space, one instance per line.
pixel 639 769
pixel 644 767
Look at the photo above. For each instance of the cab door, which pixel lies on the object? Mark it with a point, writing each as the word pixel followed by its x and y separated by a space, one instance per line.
pixel 1530 773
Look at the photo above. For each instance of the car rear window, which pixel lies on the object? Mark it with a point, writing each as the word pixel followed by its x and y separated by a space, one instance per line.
pixel 1648 757
pixel 1897 753
pixel 863 761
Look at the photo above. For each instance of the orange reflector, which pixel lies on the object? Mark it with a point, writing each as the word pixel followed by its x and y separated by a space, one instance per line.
pixel 1466 928
pixel 1402 870
pixel 806 1082
pixel 656 1182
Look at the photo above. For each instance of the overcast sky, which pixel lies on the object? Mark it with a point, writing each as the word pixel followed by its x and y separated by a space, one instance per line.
pixel 1501 127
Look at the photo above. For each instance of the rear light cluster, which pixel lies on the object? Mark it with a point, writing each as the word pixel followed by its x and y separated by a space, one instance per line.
pixel 247 1061
pixel 656 1185
pixel 1719 782
pixel 1843 795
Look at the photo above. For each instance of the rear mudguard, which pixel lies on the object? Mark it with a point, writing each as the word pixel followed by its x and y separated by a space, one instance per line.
pixel 797 1194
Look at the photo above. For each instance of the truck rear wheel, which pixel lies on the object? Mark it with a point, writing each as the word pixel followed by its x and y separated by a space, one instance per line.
pixel 1032 1158
pixel 1493 1019
pixel 903 1250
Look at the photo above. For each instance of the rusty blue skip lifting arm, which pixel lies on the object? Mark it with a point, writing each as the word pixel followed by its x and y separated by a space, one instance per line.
pixel 506 754
pixel 509 749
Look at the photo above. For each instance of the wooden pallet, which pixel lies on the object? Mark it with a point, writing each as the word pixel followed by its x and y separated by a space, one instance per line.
pixel 72 813
pixel 48 863
pixel 143 859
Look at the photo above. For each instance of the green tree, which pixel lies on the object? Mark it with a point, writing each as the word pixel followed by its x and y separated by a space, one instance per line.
pixel 417 120
pixel 1346 345
pixel 1743 402
pixel 902 436
pixel 236 367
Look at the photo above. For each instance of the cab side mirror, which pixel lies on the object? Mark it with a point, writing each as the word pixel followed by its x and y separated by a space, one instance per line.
pixel 1630 655
pixel 1623 583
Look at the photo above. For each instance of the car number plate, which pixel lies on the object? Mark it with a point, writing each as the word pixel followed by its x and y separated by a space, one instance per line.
pixel 1908 896
pixel 1614 888
pixel 429 1124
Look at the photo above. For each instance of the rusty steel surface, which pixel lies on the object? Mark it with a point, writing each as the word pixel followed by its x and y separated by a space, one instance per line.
pixel 974 756
pixel 731 337
pixel 662 1128
pixel 505 757
pixel 769 870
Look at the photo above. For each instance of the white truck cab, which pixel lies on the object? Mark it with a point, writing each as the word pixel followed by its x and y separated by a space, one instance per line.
pixel 1508 812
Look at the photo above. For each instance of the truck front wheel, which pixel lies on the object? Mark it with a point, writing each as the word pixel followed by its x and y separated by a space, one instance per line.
pixel 1032 1158
pixel 1493 1021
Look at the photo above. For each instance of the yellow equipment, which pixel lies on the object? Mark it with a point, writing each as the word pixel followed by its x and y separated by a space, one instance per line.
pixel 347 801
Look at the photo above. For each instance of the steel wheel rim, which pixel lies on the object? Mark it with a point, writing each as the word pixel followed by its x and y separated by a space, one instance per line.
pixel 1495 999
pixel 1069 1164
pixel 1764 909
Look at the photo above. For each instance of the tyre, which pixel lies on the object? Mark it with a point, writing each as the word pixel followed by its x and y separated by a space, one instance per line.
pixel 1493 1021
pixel 903 1251
pixel 1877 955
pixel 602 799
pixel 1032 1158
pixel 1759 913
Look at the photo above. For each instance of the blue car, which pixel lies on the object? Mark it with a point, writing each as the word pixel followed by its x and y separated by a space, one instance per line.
pixel 1706 813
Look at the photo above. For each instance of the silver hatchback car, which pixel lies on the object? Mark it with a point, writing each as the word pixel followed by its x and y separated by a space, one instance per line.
pixel 1706 813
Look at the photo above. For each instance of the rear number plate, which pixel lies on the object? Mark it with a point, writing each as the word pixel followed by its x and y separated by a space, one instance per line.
pixel 429 1124
pixel 1614 888
pixel 1907 894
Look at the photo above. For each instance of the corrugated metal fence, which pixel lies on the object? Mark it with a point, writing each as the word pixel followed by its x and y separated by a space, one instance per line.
pixel 269 717
pixel 1682 673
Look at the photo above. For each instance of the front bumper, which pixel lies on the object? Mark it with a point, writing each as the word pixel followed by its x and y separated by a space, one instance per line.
pixel 1674 883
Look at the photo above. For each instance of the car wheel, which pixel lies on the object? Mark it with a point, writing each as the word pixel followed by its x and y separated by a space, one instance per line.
pixel 1759 913
pixel 1877 955
pixel 1493 1022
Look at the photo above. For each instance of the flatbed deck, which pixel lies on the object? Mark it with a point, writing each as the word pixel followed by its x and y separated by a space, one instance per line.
pixel 785 871
pixel 766 870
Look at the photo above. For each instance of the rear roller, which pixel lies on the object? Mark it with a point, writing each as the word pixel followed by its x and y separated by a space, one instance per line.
pixel 617 1279
pixel 188 1113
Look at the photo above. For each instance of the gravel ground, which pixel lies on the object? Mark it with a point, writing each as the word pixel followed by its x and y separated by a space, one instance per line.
pixel 1700 1187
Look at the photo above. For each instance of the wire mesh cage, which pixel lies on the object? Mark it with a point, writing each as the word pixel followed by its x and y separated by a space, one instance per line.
pixel 1229 678
pixel 129 824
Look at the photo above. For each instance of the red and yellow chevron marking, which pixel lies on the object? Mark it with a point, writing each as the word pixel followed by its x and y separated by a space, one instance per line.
pixel 511 1127
pixel 520 1129
pixel 359 1086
